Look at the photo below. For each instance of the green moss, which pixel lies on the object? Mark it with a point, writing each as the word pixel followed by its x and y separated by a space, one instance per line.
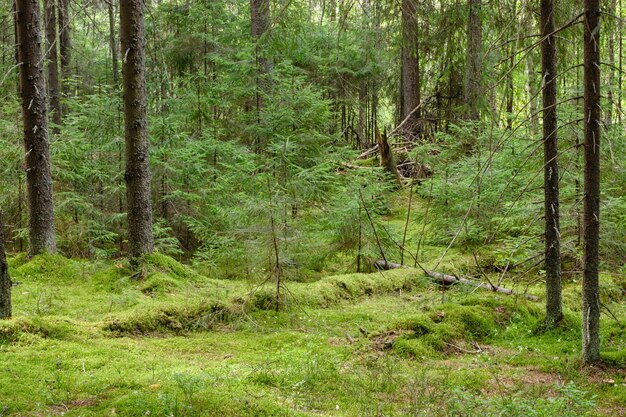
pixel 168 318
pixel 50 268
pixel 159 262
pixel 332 290
pixel 159 283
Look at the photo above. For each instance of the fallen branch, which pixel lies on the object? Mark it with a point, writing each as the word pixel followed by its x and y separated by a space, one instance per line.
pixel 448 280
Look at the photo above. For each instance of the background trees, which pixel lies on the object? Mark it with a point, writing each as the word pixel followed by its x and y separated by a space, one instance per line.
pixel 241 150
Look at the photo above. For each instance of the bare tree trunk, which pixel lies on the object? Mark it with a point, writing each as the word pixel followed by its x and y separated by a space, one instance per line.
pixel 591 292
pixel 113 45
pixel 137 175
pixel 510 87
pixel 260 23
pixel 531 89
pixel 38 174
pixel 386 158
pixel 52 58
pixel 474 60
pixel 611 67
pixel 5 280
pixel 65 46
pixel 410 64
pixel 554 312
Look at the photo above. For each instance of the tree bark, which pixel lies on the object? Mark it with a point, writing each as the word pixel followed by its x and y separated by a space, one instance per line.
pixel 387 160
pixel 113 45
pixel 137 175
pixel 410 65
pixel 531 89
pixel 554 311
pixel 5 280
pixel 259 24
pixel 591 296
pixel 65 44
pixel 611 68
pixel 52 58
pixel 474 60
pixel 65 49
pixel 38 173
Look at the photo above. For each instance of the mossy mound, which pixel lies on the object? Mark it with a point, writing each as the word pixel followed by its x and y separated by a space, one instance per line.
pixel 159 283
pixel 24 329
pixel 50 268
pixel 169 318
pixel 332 290
pixel 456 327
pixel 158 262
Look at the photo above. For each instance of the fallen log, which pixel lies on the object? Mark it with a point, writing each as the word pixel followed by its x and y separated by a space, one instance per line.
pixel 448 280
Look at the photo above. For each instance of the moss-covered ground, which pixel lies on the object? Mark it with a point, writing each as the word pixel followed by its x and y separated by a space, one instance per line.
pixel 89 340
pixel 95 339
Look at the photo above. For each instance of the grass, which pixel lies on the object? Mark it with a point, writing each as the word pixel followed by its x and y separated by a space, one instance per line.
pixel 88 340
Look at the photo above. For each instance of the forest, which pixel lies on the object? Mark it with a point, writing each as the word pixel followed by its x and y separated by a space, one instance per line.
pixel 312 208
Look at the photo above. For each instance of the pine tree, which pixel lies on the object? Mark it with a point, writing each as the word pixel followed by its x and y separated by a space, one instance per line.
pixel 5 280
pixel 38 173
pixel 591 290
pixel 137 175
pixel 410 64
pixel 554 311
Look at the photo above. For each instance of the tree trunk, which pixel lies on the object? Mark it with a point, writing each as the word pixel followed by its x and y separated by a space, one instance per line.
pixel 38 174
pixel 113 46
pixel 531 89
pixel 65 46
pixel 474 60
pixel 259 24
pixel 554 312
pixel 52 58
pixel 5 280
pixel 410 65
pixel 137 175
pixel 387 160
pixel 611 68
pixel 591 295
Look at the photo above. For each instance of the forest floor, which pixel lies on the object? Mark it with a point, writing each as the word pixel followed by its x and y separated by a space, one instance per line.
pixel 89 341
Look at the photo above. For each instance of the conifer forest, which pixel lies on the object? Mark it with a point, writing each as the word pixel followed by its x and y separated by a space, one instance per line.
pixel 364 208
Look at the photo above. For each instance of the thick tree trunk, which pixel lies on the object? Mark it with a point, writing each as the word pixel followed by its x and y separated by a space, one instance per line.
pixel 5 280
pixel 38 174
pixel 474 60
pixel 52 58
pixel 591 293
pixel 410 65
pixel 137 175
pixel 554 312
